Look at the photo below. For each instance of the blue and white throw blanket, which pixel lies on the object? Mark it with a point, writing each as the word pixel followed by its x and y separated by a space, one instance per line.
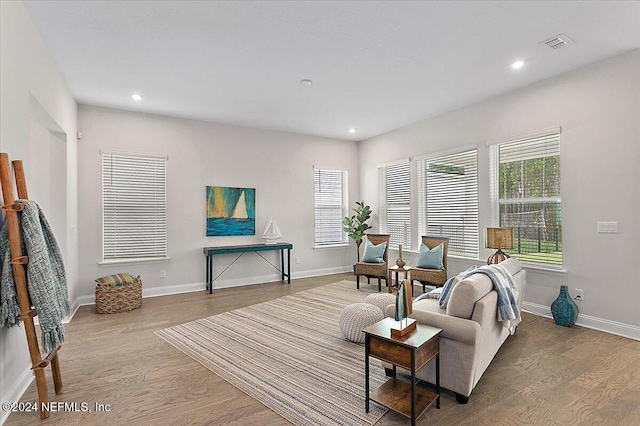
pixel 46 280
pixel 508 310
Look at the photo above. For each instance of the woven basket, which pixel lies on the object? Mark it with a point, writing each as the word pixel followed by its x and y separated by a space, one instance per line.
pixel 121 298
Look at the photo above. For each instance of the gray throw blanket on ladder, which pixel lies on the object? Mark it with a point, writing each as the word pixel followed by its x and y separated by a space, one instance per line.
pixel 46 280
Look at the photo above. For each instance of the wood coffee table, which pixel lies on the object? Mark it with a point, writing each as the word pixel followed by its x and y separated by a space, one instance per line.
pixel 412 352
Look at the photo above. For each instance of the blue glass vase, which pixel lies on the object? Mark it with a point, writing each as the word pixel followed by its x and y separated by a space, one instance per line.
pixel 564 309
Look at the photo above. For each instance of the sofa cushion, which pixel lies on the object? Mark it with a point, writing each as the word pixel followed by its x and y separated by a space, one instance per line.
pixel 512 265
pixel 429 305
pixel 435 293
pixel 466 293
pixel 449 285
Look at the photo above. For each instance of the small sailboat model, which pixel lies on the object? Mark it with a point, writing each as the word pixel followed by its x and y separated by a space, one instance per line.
pixel 272 233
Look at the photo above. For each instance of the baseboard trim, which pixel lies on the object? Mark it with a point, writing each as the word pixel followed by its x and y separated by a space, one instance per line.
pixel 15 393
pixel 172 289
pixel 325 271
pixel 595 323
pixel 276 277
pixel 74 308
pixel 86 300
pixel 238 282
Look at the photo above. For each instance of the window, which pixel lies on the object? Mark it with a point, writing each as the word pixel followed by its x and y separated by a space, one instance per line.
pixel 448 200
pixel 394 184
pixel 526 194
pixel 134 207
pixel 330 190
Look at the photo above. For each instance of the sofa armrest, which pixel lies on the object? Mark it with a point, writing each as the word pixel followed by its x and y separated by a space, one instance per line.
pixel 458 329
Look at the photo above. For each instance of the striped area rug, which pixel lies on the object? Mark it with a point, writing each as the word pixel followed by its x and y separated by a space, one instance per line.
pixel 289 354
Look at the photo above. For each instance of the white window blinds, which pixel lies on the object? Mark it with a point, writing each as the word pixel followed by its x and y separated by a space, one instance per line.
pixel 134 206
pixel 448 200
pixel 394 184
pixel 526 192
pixel 330 191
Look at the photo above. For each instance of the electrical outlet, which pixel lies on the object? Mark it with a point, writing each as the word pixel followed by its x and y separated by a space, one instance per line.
pixel 235 266
pixel 163 273
pixel 297 260
pixel 579 294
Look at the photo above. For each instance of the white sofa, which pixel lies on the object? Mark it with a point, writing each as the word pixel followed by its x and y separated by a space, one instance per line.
pixel 471 333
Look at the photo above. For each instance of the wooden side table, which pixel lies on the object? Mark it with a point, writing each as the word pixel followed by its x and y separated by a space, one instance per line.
pixel 412 352
pixel 394 271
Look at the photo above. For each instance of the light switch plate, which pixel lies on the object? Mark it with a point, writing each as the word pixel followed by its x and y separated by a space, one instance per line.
pixel 607 227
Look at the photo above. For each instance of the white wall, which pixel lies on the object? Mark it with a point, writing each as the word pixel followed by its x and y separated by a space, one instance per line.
pixel 279 165
pixel 598 107
pixel 36 108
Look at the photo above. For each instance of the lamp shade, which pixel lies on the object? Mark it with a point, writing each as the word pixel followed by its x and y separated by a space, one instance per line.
pixel 499 238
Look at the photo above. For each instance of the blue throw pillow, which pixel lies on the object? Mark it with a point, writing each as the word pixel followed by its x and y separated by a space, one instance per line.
pixel 431 258
pixel 373 253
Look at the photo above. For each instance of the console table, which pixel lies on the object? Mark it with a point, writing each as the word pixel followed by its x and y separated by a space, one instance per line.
pixel 411 351
pixel 209 252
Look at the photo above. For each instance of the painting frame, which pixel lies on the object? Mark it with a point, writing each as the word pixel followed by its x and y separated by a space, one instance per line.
pixel 231 211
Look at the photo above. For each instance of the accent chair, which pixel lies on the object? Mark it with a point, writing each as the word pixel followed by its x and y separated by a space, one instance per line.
pixel 374 270
pixel 435 277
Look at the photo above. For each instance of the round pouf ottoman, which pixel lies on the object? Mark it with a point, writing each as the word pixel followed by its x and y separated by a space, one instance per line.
pixel 356 317
pixel 381 300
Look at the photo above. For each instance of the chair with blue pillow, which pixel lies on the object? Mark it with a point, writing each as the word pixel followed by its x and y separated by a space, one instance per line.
pixel 374 260
pixel 431 268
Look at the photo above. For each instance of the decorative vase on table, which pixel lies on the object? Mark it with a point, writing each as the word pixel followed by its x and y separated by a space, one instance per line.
pixel 400 262
pixel 564 309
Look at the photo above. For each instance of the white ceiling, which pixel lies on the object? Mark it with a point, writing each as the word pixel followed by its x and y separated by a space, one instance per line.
pixel 375 65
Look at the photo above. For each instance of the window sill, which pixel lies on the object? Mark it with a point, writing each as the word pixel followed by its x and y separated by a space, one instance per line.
pixel 545 269
pixel 451 256
pixel 331 246
pixel 106 263
pixel 535 267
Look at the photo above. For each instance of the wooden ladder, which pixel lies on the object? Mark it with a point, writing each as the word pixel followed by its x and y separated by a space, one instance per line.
pixel 19 266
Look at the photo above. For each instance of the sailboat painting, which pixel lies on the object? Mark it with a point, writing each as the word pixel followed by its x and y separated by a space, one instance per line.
pixel 231 211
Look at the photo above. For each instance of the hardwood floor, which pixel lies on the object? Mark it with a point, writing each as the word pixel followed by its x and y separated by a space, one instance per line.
pixel 544 375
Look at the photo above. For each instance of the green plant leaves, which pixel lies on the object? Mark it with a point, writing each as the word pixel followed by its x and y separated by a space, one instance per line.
pixel 355 226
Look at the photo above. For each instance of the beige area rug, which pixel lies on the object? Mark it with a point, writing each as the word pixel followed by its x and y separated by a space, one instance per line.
pixel 289 354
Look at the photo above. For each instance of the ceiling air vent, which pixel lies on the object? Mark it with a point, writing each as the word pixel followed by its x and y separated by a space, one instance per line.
pixel 558 42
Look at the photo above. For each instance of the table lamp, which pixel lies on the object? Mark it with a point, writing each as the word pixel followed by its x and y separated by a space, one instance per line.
pixel 498 238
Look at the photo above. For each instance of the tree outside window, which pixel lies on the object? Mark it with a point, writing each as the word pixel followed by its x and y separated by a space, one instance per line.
pixel 528 197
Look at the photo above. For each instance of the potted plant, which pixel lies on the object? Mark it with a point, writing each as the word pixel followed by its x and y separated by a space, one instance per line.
pixel 355 226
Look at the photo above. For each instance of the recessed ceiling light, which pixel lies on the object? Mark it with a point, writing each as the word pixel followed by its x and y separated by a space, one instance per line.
pixel 517 64
pixel 306 82
pixel 136 97
pixel 352 130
